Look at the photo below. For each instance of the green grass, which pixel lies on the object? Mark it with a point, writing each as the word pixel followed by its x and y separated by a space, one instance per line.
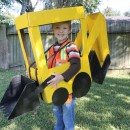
pixel 105 107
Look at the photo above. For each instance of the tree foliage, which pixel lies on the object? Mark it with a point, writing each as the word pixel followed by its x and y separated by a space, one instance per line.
pixel 4 3
pixel 110 12
pixel 27 6
pixel 90 5
pixel 127 13
pixel 7 19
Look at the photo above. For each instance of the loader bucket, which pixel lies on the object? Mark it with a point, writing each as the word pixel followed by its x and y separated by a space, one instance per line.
pixel 17 99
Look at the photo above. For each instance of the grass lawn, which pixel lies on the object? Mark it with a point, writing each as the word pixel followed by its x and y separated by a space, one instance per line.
pixel 105 107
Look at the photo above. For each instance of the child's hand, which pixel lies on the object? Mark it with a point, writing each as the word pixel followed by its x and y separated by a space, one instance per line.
pixel 54 82
pixel 27 73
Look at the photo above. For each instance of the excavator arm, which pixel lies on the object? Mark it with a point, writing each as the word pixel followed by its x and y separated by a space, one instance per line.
pixel 97 48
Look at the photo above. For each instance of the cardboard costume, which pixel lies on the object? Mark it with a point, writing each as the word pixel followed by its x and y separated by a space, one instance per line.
pixel 95 60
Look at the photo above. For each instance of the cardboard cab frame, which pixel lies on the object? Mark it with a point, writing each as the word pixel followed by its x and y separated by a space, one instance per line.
pixel 95 60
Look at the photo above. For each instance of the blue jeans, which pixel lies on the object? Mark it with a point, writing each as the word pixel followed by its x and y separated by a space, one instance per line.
pixel 65 116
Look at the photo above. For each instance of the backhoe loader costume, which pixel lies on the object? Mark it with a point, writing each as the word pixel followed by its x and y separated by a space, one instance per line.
pixel 22 94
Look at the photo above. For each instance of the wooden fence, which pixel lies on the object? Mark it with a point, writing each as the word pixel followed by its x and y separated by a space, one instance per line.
pixel 118 36
pixel 118 29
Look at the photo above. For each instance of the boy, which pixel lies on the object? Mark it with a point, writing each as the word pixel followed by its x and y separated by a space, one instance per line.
pixel 64 50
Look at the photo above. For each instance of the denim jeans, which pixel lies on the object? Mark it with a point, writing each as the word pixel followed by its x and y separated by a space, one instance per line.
pixel 65 116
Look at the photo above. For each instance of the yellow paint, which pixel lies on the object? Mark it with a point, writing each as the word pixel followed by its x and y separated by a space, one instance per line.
pixel 94 24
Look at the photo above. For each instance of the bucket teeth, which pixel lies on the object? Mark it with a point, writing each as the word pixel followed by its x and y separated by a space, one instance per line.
pixel 6 114
pixel 1 107
pixel 4 110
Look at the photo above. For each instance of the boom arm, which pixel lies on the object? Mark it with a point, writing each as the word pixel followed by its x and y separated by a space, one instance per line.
pixel 96 46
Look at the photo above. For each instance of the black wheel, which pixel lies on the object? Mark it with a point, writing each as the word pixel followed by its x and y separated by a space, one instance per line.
pixel 81 84
pixel 60 96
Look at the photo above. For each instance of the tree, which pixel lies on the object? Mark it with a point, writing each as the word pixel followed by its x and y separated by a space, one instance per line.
pixel 5 2
pixel 127 13
pixel 52 4
pixel 6 18
pixel 110 12
pixel 27 6
pixel 90 5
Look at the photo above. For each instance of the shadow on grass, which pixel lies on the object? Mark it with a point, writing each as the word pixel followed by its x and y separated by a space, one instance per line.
pixel 105 107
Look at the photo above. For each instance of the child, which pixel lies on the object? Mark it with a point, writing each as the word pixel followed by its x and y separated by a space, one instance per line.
pixel 64 50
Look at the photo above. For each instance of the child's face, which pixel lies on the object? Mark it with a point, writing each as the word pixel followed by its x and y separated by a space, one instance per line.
pixel 61 31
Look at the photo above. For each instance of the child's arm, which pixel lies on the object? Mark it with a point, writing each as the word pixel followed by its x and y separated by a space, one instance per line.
pixel 74 59
pixel 72 70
